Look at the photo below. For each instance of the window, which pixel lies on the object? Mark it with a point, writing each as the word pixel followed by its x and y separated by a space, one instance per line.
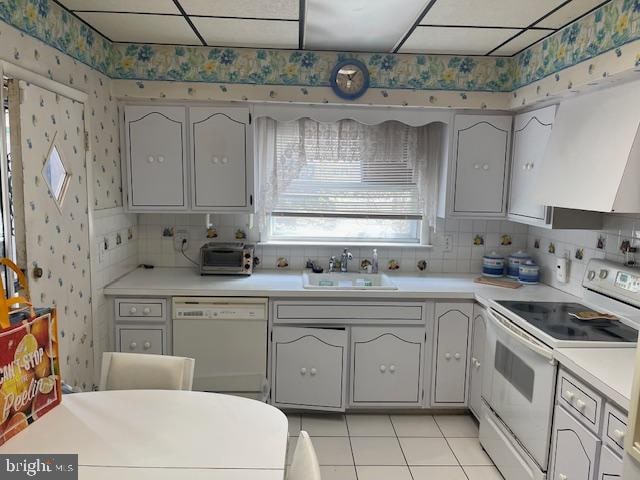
pixel 345 181
pixel 55 175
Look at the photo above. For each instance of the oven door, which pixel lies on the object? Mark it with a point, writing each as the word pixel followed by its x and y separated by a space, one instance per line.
pixel 519 385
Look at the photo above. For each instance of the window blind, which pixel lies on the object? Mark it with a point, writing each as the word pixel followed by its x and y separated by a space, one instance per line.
pixel 347 169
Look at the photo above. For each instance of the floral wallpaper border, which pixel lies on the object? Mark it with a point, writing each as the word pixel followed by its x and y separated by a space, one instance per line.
pixel 609 27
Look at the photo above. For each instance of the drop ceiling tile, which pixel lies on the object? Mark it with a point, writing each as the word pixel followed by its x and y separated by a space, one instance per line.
pixel 361 25
pixel 129 27
pixel 247 33
pixel 492 13
pixel 568 13
pixel 281 9
pixel 456 41
pixel 522 41
pixel 144 6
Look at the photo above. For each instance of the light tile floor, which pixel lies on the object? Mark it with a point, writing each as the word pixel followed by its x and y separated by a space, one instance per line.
pixel 395 447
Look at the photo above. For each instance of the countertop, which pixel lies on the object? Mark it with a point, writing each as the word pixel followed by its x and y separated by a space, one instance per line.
pixel 609 370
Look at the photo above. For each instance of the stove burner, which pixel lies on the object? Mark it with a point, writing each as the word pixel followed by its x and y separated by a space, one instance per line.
pixel 566 331
pixel 530 308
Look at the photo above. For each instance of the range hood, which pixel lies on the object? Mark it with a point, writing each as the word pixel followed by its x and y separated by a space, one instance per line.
pixel 592 160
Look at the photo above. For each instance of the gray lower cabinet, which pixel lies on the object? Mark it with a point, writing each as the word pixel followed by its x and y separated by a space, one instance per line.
pixel 386 366
pixel 142 326
pixel 610 465
pixel 452 326
pixel 478 339
pixel 574 450
pixel 309 368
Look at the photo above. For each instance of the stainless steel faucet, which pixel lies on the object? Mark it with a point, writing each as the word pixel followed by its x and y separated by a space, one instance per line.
pixel 344 260
pixel 332 264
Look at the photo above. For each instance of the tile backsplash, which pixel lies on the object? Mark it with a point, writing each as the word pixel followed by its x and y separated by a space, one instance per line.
pixel 580 246
pixel 469 240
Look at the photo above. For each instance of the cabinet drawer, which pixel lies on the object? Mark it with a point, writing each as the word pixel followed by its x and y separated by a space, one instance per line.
pixel 581 400
pixel 386 365
pixel 574 450
pixel 341 312
pixel 129 309
pixel 141 340
pixel 309 368
pixel 610 465
pixel 615 428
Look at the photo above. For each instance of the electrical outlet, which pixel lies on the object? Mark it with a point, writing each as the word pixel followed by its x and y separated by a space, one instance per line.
pixel 447 243
pixel 180 237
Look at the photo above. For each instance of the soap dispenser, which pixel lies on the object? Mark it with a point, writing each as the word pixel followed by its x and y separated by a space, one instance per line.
pixel 374 261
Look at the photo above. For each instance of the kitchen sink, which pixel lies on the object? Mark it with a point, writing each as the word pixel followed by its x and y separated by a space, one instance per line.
pixel 347 281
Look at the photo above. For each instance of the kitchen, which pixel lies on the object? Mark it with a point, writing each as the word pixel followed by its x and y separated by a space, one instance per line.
pixel 399 240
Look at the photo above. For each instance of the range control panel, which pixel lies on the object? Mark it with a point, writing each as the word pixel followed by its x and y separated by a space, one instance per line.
pixel 613 279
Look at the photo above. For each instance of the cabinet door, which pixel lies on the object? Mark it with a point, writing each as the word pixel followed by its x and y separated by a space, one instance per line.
pixel 141 340
pixel 478 338
pixel 453 321
pixel 481 149
pixel 220 158
pixel 574 449
pixel 155 143
pixel 610 466
pixel 386 365
pixel 309 368
pixel 531 133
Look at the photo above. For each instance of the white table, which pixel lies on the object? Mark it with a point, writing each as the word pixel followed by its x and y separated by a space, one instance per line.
pixel 162 435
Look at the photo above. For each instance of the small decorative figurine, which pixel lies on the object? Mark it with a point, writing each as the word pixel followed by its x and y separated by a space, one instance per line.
pixel 579 253
pixel 393 265
pixel 602 242
pixel 167 231
pixel 536 243
pixel 118 238
pixel 478 240
pixel 130 233
pixel 505 240
pixel 240 234
pixel 212 233
pixel 282 263
pixel 552 248
pixel 421 265
pixel 625 247
pixel 365 265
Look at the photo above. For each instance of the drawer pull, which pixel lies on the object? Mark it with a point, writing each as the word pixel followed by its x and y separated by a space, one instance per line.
pixel 447 356
pixel 133 310
pixel 133 345
pixel 303 371
pixel 569 395
pixel 313 372
pixel 146 310
pixel 580 405
pixel 147 345
pixel 618 435
pixel 562 476
pixel 383 368
pixel 392 368
pixel 457 356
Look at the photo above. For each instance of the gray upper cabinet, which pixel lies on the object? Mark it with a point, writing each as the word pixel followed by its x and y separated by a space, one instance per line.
pixel 480 155
pixel 222 159
pixel 156 153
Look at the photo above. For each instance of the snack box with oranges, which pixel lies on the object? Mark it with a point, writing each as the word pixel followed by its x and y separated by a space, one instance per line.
pixel 29 369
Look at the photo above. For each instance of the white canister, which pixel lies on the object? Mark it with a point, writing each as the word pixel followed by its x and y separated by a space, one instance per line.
pixel 529 273
pixel 514 262
pixel 493 265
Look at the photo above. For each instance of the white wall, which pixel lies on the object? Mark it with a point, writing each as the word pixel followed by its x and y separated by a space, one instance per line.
pixel 616 228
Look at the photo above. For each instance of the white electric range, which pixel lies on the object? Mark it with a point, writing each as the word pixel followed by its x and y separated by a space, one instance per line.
pixel 519 388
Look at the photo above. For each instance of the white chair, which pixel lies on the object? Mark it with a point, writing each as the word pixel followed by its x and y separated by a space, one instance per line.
pixel 136 371
pixel 304 465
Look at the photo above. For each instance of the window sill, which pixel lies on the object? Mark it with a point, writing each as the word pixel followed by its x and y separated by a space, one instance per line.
pixel 293 243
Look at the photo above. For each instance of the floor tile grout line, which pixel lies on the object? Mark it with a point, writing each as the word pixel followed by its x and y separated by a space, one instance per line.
pixel 353 457
pixel 401 449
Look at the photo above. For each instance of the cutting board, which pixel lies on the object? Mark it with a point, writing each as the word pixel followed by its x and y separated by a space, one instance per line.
pixel 498 282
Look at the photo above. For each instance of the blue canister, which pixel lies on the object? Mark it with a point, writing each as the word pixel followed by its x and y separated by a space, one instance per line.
pixel 529 273
pixel 514 262
pixel 493 265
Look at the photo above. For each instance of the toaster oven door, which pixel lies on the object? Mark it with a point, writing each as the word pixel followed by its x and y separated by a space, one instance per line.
pixel 224 260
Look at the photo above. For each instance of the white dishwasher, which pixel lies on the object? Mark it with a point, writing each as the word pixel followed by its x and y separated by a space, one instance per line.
pixel 227 337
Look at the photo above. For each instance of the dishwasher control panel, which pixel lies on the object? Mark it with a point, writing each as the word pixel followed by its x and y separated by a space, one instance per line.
pixel 216 310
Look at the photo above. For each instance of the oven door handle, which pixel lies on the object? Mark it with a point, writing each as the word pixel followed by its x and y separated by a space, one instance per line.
pixel 521 336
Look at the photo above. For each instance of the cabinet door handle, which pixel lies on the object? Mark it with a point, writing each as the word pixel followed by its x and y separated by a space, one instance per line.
pixel 477 364
pixel 160 159
pixel 477 166
pixel 383 368
pixel 303 371
pixel 570 395
pixel 146 310
pixel 618 435
pixel 580 405
pixel 215 160
pixel 133 310
pixel 562 476
pixel 133 345
pixel 447 356
pixel 485 167
pixel 147 345
pixel 457 356
pixel 313 372
pixel 150 159
pixel 225 160
pixel 392 368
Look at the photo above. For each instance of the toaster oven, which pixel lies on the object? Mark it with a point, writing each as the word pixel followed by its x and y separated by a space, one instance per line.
pixel 226 259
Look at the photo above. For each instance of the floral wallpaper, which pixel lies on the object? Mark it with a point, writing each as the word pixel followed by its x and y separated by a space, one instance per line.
pixel 607 28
